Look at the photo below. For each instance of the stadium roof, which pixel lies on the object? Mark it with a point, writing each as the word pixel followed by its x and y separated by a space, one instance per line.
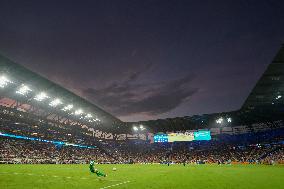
pixel 19 76
pixel 269 89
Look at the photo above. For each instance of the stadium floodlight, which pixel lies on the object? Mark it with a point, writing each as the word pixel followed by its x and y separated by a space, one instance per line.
pixel 68 107
pixel 219 120
pixel 278 97
pixel 4 81
pixel 78 112
pixel 41 96
pixel 135 128
pixel 55 102
pixel 229 120
pixel 96 119
pixel 89 115
pixel 23 90
pixel 142 127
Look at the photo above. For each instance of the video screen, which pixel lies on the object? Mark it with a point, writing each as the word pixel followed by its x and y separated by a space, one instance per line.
pixel 161 138
pixel 202 135
pixel 175 137
pixel 183 137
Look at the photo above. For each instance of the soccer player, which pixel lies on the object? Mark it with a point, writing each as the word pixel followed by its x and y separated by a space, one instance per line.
pixel 93 170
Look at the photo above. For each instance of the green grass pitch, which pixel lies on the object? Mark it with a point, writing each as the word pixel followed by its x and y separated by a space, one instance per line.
pixel 142 176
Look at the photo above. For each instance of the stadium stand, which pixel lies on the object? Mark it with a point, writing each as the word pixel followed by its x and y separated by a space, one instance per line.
pixel 30 106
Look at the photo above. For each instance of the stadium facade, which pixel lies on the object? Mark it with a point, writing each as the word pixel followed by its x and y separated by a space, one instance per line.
pixel 28 93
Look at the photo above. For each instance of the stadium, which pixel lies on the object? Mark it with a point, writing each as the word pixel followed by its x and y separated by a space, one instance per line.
pixel 42 124
pixel 152 94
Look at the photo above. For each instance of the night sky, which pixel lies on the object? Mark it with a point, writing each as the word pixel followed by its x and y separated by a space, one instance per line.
pixel 147 59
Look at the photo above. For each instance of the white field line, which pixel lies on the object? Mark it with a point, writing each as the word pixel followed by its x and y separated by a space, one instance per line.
pixel 112 180
pixel 115 185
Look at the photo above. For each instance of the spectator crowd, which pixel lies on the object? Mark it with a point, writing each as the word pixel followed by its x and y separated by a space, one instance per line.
pixel 26 151
pixel 265 147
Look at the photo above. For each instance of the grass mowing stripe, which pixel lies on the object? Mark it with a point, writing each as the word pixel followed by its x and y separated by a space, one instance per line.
pixel 31 174
pixel 144 176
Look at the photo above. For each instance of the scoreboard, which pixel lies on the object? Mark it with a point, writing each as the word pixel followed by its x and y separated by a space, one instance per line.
pixel 202 135
pixel 175 137
pixel 179 137
pixel 161 138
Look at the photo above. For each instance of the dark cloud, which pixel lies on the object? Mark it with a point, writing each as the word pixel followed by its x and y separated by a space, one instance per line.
pixel 122 54
pixel 133 76
pixel 125 98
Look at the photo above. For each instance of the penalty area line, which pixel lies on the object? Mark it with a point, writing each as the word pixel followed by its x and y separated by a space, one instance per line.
pixel 110 180
pixel 113 185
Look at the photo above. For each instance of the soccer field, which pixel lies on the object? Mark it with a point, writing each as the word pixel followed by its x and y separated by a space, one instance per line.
pixel 143 176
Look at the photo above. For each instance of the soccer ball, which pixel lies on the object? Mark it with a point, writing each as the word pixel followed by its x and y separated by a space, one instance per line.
pixel 114 169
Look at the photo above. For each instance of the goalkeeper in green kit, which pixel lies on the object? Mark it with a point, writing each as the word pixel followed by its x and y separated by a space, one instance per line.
pixel 93 170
